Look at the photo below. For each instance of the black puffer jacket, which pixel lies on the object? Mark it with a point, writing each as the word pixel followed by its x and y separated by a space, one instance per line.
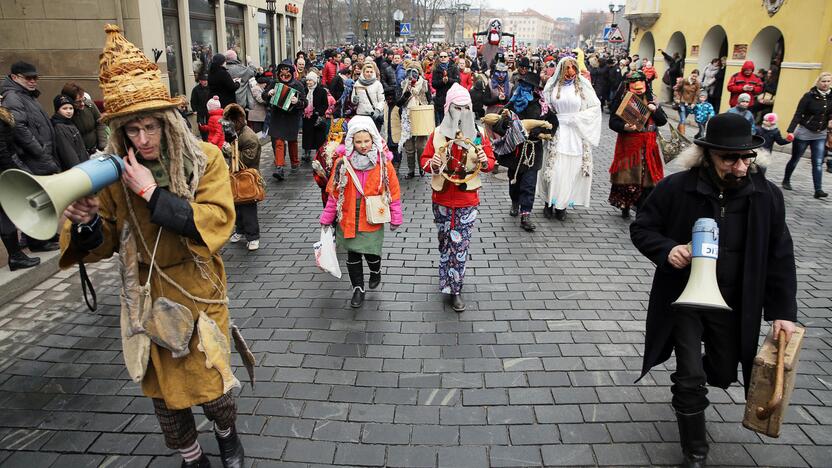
pixel 813 111
pixel 69 144
pixel 387 79
pixel 8 158
pixel 34 137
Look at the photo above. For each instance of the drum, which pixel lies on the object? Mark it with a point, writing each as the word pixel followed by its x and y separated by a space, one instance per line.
pixel 422 121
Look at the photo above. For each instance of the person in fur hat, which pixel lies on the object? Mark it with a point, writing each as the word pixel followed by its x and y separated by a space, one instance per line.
pixel 415 92
pixel 637 164
pixel 455 203
pixel 172 209
pixel 248 146
pixel 366 161
pixel 756 270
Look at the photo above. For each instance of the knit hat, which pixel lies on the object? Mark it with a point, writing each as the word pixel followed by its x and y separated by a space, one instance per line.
pixel 703 92
pixel 744 97
pixel 771 118
pixel 231 54
pixel 129 80
pixel 457 95
pixel 213 103
pixel 312 76
pixel 61 100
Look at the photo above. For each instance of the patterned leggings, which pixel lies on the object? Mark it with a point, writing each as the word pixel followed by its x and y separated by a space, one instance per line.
pixel 455 226
pixel 179 427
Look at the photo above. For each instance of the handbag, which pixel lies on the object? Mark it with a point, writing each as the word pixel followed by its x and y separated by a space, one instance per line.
pixel 376 206
pixel 673 146
pixel 377 115
pixel 247 185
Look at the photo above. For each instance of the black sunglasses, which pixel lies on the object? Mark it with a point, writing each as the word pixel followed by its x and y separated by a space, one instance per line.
pixel 732 158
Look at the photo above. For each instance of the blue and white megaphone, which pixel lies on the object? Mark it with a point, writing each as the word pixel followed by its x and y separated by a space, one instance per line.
pixel 35 203
pixel 702 290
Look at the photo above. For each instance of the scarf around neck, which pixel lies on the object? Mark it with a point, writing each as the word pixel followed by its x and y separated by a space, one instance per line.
pixel 364 162
pixel 521 97
pixel 366 82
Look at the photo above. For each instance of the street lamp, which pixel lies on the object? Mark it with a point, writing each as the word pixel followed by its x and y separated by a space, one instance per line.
pixel 365 25
pixel 463 7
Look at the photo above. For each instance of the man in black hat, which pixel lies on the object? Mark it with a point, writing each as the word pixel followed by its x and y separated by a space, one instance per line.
pixel 199 98
pixel 755 272
pixel 34 137
pixel 523 67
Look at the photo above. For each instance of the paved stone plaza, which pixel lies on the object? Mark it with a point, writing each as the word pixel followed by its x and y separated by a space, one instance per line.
pixel 538 371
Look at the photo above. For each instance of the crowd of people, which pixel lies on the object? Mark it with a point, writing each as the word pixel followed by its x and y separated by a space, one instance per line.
pixel 352 115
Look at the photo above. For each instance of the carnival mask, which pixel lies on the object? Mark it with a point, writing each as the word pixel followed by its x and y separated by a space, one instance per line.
pixel 500 75
pixel 637 87
pixel 569 73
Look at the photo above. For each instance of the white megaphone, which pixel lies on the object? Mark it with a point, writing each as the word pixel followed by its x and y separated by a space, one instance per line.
pixel 35 203
pixel 702 290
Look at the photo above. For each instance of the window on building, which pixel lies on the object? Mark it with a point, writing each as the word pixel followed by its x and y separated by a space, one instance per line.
pixel 203 34
pixel 173 47
pixel 235 31
pixel 290 37
pixel 265 38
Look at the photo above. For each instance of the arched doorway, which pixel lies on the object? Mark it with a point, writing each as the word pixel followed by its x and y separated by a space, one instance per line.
pixel 767 51
pixel 714 46
pixel 676 45
pixel 647 46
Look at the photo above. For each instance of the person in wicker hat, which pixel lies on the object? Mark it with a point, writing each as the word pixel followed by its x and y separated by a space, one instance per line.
pixel 637 164
pixel 168 217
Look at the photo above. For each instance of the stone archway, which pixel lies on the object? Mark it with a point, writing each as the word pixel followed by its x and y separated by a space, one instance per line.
pixel 714 46
pixel 767 48
pixel 676 44
pixel 647 46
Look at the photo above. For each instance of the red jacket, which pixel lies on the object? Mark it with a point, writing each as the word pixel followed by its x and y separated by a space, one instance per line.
pixel 214 128
pixel 738 81
pixel 451 195
pixel 329 72
pixel 466 80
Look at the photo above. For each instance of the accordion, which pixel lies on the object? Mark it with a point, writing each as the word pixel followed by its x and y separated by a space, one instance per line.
pixel 633 111
pixel 283 94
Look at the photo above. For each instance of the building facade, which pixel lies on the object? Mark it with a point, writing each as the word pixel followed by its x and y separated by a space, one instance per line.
pixel 531 28
pixel 64 42
pixel 793 36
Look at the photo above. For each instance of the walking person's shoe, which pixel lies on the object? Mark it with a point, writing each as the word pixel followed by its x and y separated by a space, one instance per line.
pixel 19 260
pixel 231 450
pixel 786 185
pixel 829 169
pixel 278 173
pixel 693 440
pixel 548 211
pixel 409 175
pixel 821 194
pixel 625 213
pixel 201 462
pixel 560 215
pixel 50 246
pixel 253 245
pixel 515 210
pixel 375 279
pixel 295 169
pixel 457 303
pixel 527 223
pixel 357 297
pixel 236 237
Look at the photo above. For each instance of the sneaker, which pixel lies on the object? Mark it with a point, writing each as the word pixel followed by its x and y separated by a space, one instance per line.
pixel 515 210
pixel 253 245
pixel 526 222
pixel 235 238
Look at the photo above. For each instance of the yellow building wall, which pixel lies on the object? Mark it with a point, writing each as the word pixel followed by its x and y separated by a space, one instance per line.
pixel 806 26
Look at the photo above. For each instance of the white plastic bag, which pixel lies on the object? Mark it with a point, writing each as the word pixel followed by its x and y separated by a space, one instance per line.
pixel 325 256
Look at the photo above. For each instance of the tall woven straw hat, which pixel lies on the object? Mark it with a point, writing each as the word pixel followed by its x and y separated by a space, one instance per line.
pixel 129 80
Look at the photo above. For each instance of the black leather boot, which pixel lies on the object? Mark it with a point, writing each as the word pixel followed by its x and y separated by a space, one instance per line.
pixel 515 210
pixel 202 462
pixel 357 297
pixel 693 440
pixel 375 273
pixel 560 215
pixel 625 213
pixel 19 260
pixel 548 211
pixel 457 303
pixel 231 450
pixel 527 223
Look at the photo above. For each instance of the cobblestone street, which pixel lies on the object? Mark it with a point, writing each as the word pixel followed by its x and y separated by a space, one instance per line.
pixel 539 370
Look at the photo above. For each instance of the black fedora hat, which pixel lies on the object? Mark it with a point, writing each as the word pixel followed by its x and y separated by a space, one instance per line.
pixel 729 131
pixel 531 78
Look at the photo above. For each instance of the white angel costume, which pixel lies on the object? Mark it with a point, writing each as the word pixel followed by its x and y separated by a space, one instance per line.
pixel 565 180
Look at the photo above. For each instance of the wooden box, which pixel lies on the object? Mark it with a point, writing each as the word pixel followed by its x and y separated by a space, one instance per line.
pixel 762 384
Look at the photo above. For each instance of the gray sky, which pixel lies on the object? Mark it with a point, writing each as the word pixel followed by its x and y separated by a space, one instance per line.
pixel 553 8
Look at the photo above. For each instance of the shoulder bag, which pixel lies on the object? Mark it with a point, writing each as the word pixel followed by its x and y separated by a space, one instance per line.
pixel 247 185
pixel 376 206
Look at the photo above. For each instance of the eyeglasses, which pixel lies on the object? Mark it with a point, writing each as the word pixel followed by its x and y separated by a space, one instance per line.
pixel 149 130
pixel 732 158
pixel 29 78
pixel 443 56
